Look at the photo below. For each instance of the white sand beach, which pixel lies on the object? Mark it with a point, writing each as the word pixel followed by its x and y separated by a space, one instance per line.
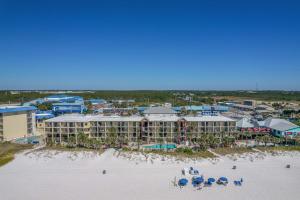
pixel 54 175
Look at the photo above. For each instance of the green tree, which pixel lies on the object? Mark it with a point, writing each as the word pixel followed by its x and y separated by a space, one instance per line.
pixel 111 137
pixel 45 106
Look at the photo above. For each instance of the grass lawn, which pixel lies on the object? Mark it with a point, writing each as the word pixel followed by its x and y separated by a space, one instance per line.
pixel 8 151
pixel 279 148
pixel 236 150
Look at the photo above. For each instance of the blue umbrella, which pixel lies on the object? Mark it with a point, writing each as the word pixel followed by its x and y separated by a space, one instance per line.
pixel 212 180
pixel 198 180
pixel 182 182
pixel 224 179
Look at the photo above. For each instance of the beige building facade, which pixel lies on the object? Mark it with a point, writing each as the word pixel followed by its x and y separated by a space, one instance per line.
pixel 150 128
pixel 16 122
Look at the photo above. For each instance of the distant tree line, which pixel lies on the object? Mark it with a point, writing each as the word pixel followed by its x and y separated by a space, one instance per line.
pixel 176 97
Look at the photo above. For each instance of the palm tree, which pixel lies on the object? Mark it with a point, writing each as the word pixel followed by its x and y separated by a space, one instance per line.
pixel 265 139
pixel 228 141
pixel 82 140
pixel 138 141
pixel 297 139
pixel 247 135
pixel 111 137
pixel 202 142
pixel 189 136
pixel 213 141
pixel 160 141
pixel 121 140
pixel 72 142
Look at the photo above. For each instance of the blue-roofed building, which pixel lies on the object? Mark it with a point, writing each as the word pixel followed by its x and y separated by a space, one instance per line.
pixel 63 108
pixel 34 102
pixel 63 98
pixel 97 101
pixel 16 122
pixel 204 110
pixel 43 115
pixel 293 132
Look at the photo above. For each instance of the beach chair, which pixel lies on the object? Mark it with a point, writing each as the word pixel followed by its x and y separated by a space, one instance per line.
pixel 222 181
pixel 237 183
pixel 207 184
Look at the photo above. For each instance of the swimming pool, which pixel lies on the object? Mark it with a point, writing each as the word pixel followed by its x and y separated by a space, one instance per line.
pixel 28 140
pixel 161 146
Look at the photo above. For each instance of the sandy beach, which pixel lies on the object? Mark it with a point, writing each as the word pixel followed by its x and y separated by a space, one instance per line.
pixel 50 175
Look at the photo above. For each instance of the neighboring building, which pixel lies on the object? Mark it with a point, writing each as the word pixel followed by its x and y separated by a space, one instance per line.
pixel 34 102
pixel 249 103
pixel 65 108
pixel 40 117
pixel 242 107
pixel 63 98
pixel 204 110
pixel 97 104
pixel 159 111
pixel 279 127
pixel 116 111
pixel 16 122
pixel 97 101
pixel 158 123
pixel 293 132
pixel 120 101
pixel 244 123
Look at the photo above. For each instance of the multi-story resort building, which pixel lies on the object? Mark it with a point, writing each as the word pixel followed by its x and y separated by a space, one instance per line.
pixel 157 123
pixel 16 122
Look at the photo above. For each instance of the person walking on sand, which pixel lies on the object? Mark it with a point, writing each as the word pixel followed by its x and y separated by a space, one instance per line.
pixel 175 182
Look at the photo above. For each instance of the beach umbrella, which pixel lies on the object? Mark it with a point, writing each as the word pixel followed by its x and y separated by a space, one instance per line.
pixel 198 180
pixel 223 179
pixel 212 180
pixel 182 182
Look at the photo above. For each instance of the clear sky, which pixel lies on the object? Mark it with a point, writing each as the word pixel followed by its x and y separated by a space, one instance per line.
pixel 201 45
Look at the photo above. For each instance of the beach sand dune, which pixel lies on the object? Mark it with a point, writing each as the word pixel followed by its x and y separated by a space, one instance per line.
pixel 54 175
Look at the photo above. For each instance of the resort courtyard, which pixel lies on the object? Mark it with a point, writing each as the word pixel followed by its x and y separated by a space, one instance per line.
pixel 77 175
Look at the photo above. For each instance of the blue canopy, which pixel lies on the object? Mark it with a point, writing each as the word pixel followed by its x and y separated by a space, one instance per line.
pixel 212 180
pixel 223 179
pixel 183 182
pixel 198 180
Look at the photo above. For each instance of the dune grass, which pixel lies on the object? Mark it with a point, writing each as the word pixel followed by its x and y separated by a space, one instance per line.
pixel 8 151
pixel 279 148
pixel 69 149
pixel 235 150
pixel 179 153
pixel 196 154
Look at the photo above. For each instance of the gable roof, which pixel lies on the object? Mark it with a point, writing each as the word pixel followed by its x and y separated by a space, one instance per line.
pixel 279 124
pixel 244 123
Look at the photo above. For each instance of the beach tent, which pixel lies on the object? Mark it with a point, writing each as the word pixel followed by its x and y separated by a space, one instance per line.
pixel 222 180
pixel 237 183
pixel 197 180
pixel 212 180
pixel 182 182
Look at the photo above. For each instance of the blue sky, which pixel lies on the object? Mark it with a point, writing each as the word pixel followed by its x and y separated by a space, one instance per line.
pixel 198 45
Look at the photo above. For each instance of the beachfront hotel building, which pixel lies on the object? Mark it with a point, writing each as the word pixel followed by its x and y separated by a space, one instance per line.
pixel 158 123
pixel 16 122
